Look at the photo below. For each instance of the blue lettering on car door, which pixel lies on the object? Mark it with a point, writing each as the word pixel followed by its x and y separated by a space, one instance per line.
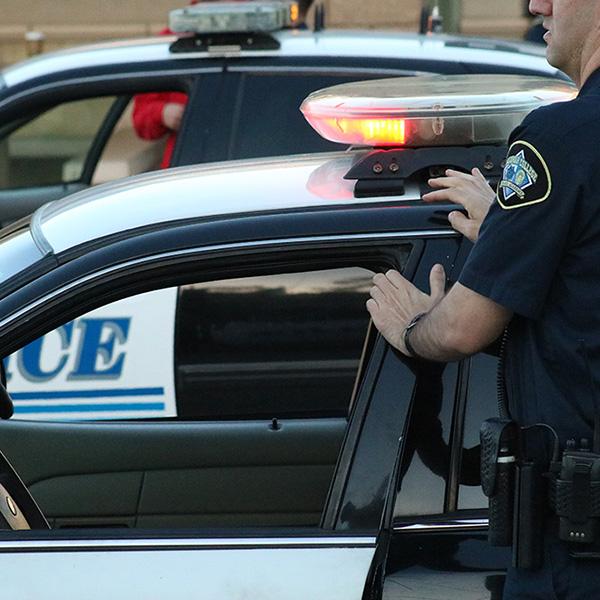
pixel 30 358
pixel 96 358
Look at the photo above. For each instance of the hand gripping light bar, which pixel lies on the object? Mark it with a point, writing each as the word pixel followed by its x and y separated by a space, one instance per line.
pixel 455 110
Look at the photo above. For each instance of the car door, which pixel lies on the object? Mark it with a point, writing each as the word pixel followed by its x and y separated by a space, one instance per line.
pixel 437 521
pixel 218 468
pixel 77 130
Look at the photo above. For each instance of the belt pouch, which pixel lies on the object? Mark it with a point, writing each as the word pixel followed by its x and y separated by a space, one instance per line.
pixel 528 534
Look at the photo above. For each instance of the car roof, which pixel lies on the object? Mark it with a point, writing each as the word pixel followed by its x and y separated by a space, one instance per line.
pixel 295 43
pixel 234 188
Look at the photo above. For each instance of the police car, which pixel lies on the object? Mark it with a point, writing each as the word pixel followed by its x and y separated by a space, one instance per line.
pixel 66 117
pixel 273 486
pixel 68 122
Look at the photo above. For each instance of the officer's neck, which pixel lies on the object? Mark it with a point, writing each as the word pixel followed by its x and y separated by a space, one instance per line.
pixel 589 64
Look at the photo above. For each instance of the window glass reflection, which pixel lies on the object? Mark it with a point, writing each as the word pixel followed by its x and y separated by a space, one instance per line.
pixel 273 345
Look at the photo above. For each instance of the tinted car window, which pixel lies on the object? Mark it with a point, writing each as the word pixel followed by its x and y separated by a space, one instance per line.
pixel 270 124
pixel 274 346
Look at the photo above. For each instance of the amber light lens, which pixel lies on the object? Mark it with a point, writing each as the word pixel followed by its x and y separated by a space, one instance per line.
pixel 294 13
pixel 365 132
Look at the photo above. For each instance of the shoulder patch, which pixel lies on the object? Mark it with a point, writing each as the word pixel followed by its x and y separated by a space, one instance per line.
pixel 526 178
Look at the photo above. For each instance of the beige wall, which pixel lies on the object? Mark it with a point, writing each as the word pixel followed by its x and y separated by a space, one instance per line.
pixel 68 22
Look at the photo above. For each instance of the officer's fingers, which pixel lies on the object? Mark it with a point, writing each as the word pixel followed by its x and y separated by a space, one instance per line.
pixel 477 174
pixel 448 182
pixel 463 225
pixel 396 279
pixel 483 184
pixel 458 174
pixel 373 308
pixel 437 281
pixel 377 295
pixel 384 284
pixel 446 194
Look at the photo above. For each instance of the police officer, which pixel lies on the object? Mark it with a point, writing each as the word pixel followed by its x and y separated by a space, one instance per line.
pixel 535 265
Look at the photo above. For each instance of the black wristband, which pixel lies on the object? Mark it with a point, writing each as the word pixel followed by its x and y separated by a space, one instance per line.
pixel 407 330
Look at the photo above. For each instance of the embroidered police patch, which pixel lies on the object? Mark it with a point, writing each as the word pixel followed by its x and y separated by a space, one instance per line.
pixel 526 178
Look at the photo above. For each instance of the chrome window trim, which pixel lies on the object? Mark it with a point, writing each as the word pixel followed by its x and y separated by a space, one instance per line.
pixel 106 545
pixel 108 77
pixel 388 236
pixel 328 70
pixel 443 526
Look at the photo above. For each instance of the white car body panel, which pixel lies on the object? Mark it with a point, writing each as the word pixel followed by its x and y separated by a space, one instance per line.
pixel 336 43
pixel 221 190
pixel 222 570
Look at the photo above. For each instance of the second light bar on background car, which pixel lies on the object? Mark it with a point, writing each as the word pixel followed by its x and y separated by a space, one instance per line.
pixel 430 110
pixel 227 17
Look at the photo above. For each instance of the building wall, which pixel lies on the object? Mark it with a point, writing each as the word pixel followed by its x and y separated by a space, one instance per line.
pixel 69 22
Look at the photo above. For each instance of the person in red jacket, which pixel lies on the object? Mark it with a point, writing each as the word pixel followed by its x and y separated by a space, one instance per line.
pixel 158 114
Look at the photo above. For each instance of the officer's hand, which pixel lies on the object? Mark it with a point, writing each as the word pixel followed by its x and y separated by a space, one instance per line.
pixel 172 114
pixel 395 301
pixel 471 191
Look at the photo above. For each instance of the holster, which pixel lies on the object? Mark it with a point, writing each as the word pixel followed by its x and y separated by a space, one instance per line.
pixel 515 489
pixel 499 442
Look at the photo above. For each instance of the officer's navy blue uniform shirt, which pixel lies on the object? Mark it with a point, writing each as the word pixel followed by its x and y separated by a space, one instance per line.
pixel 538 254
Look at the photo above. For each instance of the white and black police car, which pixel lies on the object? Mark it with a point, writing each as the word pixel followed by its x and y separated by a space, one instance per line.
pixel 67 124
pixel 308 459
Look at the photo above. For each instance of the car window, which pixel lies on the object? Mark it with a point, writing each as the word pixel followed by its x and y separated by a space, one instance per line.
pixel 50 149
pixel 268 124
pixel 287 344
pixel 273 346
pixel 481 404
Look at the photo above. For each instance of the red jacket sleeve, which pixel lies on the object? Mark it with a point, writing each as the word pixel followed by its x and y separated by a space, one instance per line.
pixel 147 115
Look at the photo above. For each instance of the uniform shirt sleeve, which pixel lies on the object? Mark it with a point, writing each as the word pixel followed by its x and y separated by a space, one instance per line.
pixel 523 238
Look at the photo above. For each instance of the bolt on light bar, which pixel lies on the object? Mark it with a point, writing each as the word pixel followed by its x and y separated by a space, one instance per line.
pixel 235 17
pixel 430 110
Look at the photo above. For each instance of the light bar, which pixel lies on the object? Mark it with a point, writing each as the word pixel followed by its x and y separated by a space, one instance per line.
pixel 234 17
pixel 430 111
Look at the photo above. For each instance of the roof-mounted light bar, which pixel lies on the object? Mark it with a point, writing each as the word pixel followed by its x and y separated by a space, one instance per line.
pixel 253 16
pixel 427 111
